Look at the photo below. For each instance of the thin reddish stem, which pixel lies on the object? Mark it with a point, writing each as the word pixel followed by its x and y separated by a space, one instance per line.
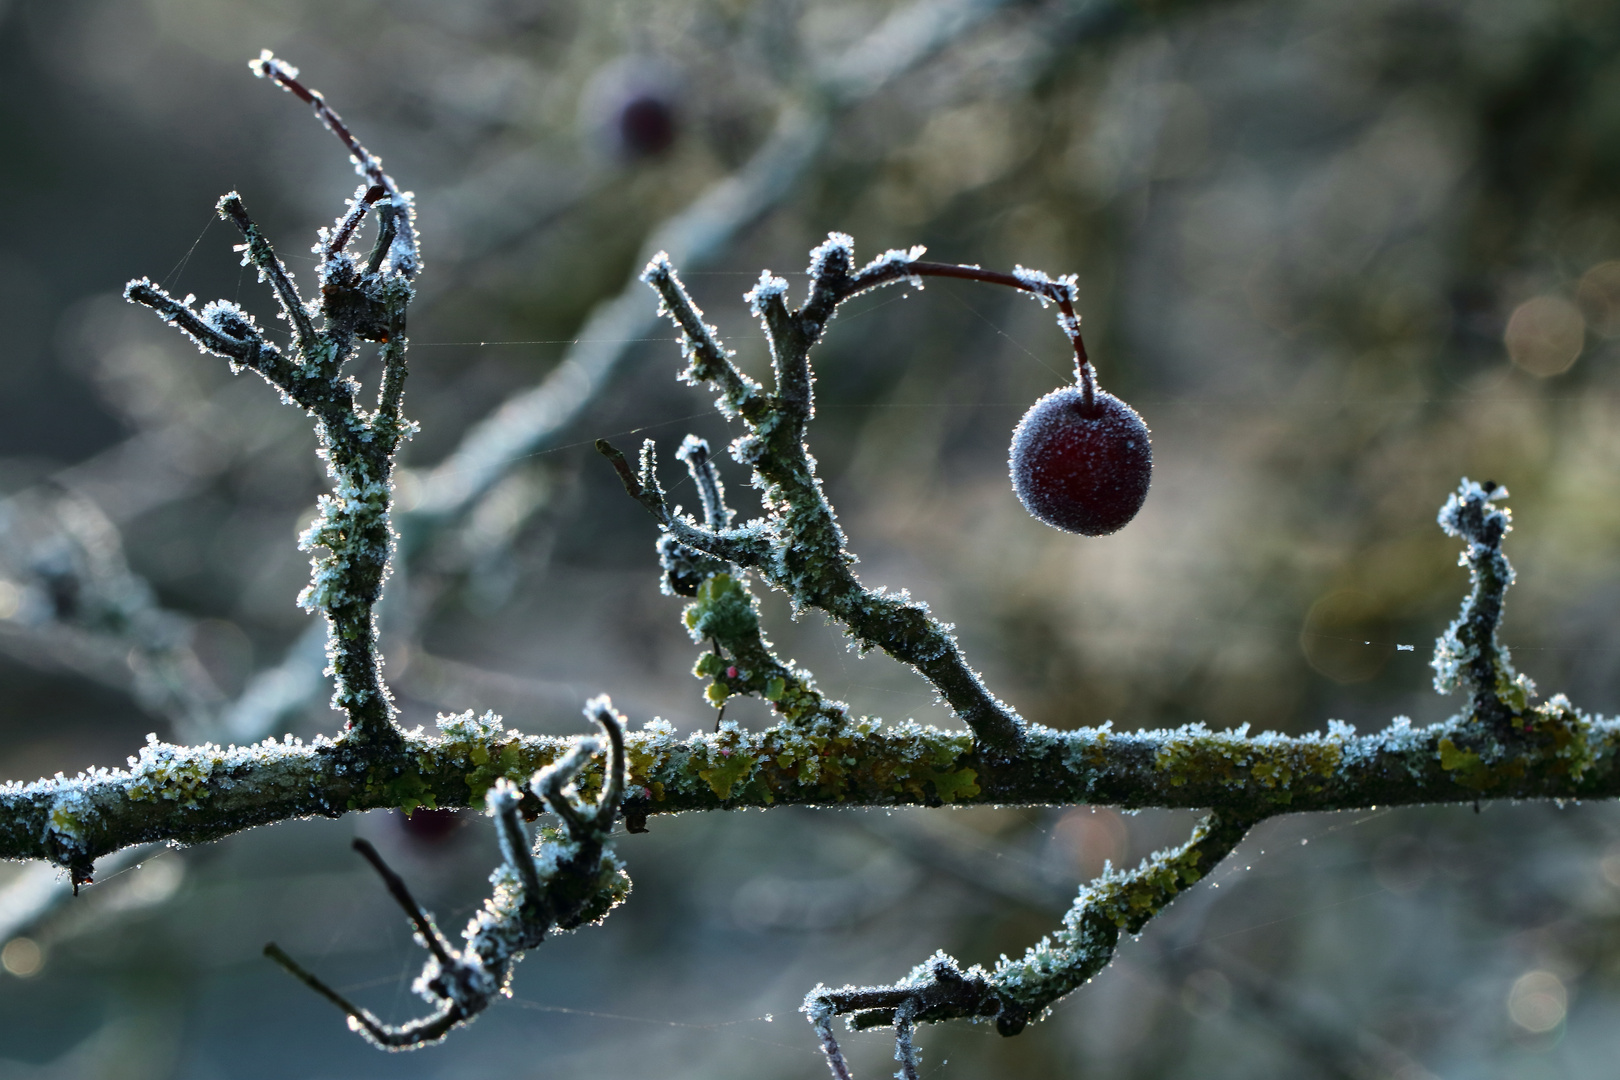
pixel 277 71
pixel 1049 289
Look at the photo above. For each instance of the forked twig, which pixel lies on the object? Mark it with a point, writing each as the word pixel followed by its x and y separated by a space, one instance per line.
pixel 569 880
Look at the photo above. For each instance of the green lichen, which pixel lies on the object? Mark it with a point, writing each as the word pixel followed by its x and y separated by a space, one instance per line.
pixel 172 773
pixel 1195 756
pixel 724 610
pixel 730 767
pixel 950 786
pixel 404 790
pixel 1553 739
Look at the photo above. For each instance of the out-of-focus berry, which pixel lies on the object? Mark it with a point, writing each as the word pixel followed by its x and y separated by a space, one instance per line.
pixel 428 827
pixel 631 108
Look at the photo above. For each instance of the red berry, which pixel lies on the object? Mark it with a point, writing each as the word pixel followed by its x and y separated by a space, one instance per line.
pixel 1078 468
pixel 632 107
pixel 428 826
pixel 646 125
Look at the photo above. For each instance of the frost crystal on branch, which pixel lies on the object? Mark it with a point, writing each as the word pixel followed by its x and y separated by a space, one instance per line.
pixel 799 546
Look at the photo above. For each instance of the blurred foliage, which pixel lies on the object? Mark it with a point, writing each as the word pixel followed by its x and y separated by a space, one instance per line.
pixel 1336 254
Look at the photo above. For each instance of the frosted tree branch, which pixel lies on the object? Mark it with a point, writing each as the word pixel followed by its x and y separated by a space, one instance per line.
pixel 570 879
pixel 799 547
pixel 352 538
pixel 1498 746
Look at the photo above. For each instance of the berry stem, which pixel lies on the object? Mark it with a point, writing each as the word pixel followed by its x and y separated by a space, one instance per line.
pixel 1040 285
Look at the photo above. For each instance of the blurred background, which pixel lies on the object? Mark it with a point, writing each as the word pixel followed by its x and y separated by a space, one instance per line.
pixel 1338 255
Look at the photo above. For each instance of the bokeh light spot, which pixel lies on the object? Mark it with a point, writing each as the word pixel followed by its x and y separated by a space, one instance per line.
pixel 1538 1001
pixel 1089 837
pixel 23 957
pixel 1544 335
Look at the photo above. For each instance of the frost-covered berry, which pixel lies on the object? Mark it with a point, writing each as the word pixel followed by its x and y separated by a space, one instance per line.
pixel 1081 467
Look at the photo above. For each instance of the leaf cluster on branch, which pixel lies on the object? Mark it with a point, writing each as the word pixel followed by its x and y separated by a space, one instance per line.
pixel 1500 745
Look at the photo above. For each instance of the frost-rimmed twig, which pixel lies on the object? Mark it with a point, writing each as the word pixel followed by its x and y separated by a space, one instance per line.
pixel 200 793
pixel 799 546
pixel 188 794
pixel 360 301
pixel 570 879
pixel 575 879
pixel 1469 656
pixel 193 794
pixel 725 613
pixel 1018 991
pixel 905 40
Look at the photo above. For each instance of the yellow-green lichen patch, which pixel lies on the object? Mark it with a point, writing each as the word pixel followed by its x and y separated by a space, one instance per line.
pixel 728 764
pixel 70 811
pixel 1454 759
pixel 1197 756
pixel 647 752
pixel 723 609
pixel 916 759
pixel 1130 900
pixel 173 773
pixel 1470 770
pixel 493 751
pixel 1566 736
pixel 1552 738
pixel 404 790
pixel 507 761
pixel 1513 690
pixel 950 786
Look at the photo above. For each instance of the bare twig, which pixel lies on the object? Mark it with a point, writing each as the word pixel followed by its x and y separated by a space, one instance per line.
pixel 570 880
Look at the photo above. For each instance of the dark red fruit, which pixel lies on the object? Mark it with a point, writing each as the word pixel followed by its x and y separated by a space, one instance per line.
pixel 631 108
pixel 646 125
pixel 1084 469
pixel 428 826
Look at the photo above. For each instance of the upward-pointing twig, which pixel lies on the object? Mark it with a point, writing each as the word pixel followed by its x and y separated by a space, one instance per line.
pixel 352 539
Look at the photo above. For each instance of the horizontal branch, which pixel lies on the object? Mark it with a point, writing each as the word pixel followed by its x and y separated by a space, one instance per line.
pixel 193 794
